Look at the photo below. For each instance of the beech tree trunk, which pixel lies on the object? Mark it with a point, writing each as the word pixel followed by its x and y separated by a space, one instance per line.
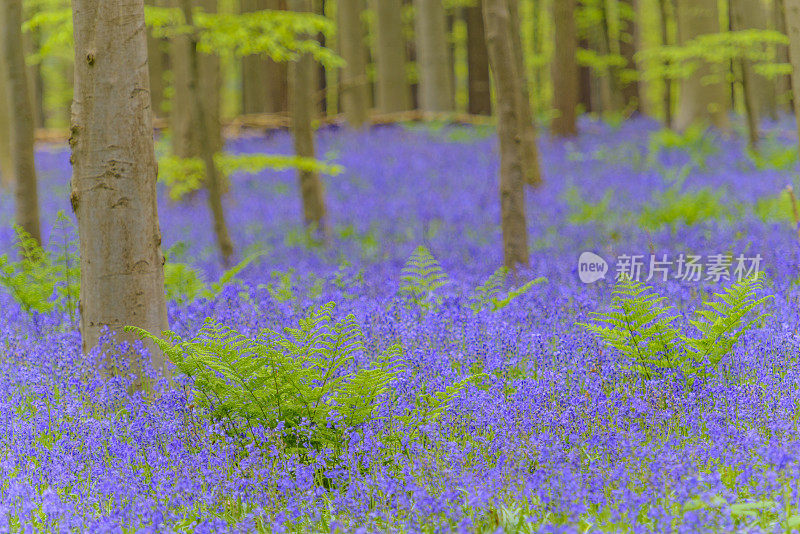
pixel 20 114
pixel 394 93
pixel 751 15
pixel 354 83
pixel 264 81
pixel 703 95
pixel 754 99
pixel 433 57
pixel 507 79
pixel 792 12
pixel 6 166
pixel 783 83
pixel 629 77
pixel 156 61
pixel 478 82
pixel 303 108
pixel 565 70
pixel 665 40
pixel 185 124
pixel 114 174
pixel 530 152
pixel 206 143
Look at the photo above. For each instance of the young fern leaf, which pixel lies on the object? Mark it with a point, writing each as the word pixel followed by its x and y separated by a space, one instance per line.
pixel 724 321
pixel 499 304
pixel 489 290
pixel 640 327
pixel 420 277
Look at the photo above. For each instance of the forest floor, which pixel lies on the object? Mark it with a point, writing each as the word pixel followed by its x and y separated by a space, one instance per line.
pixel 500 411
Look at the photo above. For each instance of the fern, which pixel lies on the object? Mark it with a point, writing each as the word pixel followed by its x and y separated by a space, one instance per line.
pixel 420 277
pixel 301 380
pixel 41 280
pixel 184 283
pixel 642 329
pixel 489 293
pixel 724 321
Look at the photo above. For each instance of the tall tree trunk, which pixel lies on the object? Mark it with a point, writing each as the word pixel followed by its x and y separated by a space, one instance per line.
pixel 629 82
pixel 114 173
pixel 700 98
pixel 206 143
pixel 30 43
pixel 738 17
pixel 585 97
pixel 264 81
pixel 605 80
pixel 530 152
pixel 479 83
pixel 433 57
pixel 21 120
pixel 792 12
pixel 393 91
pixel 507 86
pixel 565 70
pixel 302 107
pixel 665 41
pixel 783 83
pixel 185 124
pixel 6 166
pixel 157 64
pixel 354 82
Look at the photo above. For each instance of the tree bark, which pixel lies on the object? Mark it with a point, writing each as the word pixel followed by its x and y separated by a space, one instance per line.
pixel 507 87
pixel 354 83
pixel 393 91
pixel 21 121
pixel 185 124
pixel 6 166
pixel 114 174
pixel 479 83
pixel 665 41
pixel 792 13
pixel 156 61
pixel 433 57
pixel 565 70
pixel 206 143
pixel 530 152
pixel 629 82
pixel 302 107
pixel 264 81
pixel 701 99
pixel 754 100
pixel 783 83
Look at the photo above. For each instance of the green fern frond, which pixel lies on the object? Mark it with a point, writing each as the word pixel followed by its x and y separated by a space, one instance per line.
pixel 421 276
pixel 724 320
pixel 490 289
pixel 499 304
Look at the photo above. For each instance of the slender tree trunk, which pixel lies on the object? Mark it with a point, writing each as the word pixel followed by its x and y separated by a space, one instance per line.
pixel 114 174
pixel 354 83
pixel 185 124
pixel 629 76
pixel 606 86
pixel 21 120
pixel 530 152
pixel 565 70
pixel 393 91
pixel 507 86
pixel 792 12
pixel 433 57
pixel 30 43
pixel 6 166
pixel 665 41
pixel 479 83
pixel 302 107
pixel 157 64
pixel 738 15
pixel 206 143
pixel 585 76
pixel 701 98
pixel 783 83
pixel 264 81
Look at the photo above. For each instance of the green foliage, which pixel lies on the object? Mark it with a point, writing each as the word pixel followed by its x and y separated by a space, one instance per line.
pixel 772 155
pixel 488 295
pixel 182 176
pixel 774 208
pixel 673 208
pixel 420 277
pixel 642 329
pixel 184 283
pixel 582 211
pixel 695 140
pixel 302 380
pixel 42 280
pixel 716 50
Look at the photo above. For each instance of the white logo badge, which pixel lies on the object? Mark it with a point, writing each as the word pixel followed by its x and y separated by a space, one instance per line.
pixel 591 267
